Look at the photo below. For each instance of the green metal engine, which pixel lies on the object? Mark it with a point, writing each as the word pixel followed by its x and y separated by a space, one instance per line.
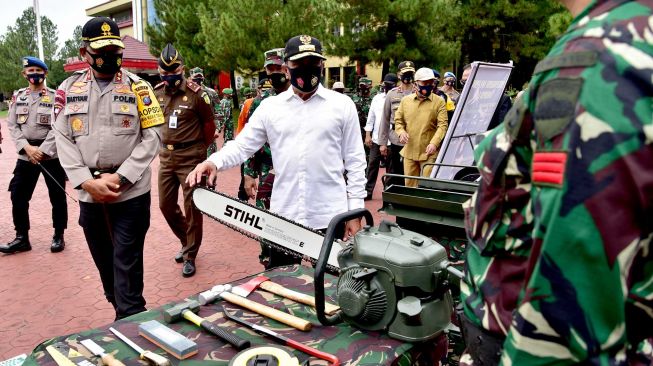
pixel 391 280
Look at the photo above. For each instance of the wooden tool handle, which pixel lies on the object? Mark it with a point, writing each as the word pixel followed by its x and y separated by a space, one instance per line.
pixel 109 360
pixel 154 359
pixel 277 289
pixel 265 310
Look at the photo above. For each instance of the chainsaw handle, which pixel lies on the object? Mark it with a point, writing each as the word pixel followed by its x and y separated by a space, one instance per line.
pixel 320 267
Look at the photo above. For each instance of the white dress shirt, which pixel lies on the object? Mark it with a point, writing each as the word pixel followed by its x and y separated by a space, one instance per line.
pixel 313 143
pixel 374 116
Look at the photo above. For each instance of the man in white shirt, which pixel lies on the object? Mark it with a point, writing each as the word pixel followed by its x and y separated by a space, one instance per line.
pixel 372 132
pixel 314 136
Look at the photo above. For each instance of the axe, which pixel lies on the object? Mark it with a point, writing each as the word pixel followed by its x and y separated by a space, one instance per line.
pixel 266 284
pixel 223 292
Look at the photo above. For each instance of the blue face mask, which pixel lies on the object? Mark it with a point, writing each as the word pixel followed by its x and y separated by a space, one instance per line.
pixel 172 81
pixel 425 90
pixel 36 78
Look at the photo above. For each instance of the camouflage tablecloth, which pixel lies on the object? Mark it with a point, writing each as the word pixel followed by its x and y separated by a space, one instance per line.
pixel 352 346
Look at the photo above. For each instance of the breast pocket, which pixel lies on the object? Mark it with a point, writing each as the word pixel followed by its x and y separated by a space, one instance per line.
pixel 22 114
pixel 125 119
pixel 44 117
pixel 77 115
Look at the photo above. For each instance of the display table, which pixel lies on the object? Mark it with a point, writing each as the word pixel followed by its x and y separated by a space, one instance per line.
pixel 352 346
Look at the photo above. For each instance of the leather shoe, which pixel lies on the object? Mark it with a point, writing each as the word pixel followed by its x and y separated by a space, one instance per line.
pixel 19 244
pixel 179 257
pixel 57 244
pixel 189 268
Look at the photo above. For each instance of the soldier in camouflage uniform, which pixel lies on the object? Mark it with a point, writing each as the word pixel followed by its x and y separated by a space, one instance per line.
pixel 197 75
pixel 259 166
pixel 559 268
pixel 363 99
pixel 224 115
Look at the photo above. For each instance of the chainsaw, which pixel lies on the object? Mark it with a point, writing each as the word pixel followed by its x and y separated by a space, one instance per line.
pixel 272 230
pixel 390 279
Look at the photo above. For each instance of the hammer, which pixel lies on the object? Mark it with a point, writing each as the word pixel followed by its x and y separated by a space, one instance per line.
pixel 224 292
pixel 263 282
pixel 188 310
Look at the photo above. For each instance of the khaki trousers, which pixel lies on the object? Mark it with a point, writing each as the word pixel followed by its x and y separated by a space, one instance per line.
pixel 173 168
pixel 414 168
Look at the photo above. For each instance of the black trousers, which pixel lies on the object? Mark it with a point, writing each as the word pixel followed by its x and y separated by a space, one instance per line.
pixel 115 233
pixel 373 168
pixel 22 185
pixel 395 165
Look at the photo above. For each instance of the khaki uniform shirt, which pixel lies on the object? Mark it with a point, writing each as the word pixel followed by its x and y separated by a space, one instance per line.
pixel 192 107
pixel 425 121
pixel 30 117
pixel 386 127
pixel 113 128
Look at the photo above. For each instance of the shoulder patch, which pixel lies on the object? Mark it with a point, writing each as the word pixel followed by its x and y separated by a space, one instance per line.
pixel 206 98
pixel 59 101
pixel 195 87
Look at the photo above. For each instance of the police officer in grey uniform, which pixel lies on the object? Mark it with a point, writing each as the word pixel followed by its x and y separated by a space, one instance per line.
pixel 30 116
pixel 107 134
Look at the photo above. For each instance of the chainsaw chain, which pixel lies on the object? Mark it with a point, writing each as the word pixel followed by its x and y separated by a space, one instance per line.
pixel 266 242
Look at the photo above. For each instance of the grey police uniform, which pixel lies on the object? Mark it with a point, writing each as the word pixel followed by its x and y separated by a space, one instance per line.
pixel 29 122
pixel 101 130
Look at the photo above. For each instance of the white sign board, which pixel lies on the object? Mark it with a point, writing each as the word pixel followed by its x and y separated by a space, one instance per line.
pixel 476 105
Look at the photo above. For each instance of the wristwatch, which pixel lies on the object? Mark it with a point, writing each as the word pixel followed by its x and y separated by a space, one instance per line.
pixel 123 181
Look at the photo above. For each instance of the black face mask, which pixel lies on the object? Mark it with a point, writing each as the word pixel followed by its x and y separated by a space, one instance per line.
pixel 108 63
pixel 407 78
pixel 425 90
pixel 36 78
pixel 278 80
pixel 198 80
pixel 172 81
pixel 306 78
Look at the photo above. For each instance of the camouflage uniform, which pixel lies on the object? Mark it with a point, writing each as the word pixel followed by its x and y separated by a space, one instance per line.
pixel 225 118
pixel 363 103
pixel 260 164
pixel 559 263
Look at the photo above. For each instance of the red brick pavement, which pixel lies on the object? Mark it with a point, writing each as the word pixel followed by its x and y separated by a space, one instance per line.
pixel 43 295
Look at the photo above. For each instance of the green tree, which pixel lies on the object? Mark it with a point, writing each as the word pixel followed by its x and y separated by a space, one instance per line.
pixel 500 31
pixel 20 41
pixel 390 31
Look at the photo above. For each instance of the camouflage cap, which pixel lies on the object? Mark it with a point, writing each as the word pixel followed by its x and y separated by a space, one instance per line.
pixel 364 81
pixel 273 57
pixel 196 71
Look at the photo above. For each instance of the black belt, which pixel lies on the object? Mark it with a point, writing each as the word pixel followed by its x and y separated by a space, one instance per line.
pixel 96 172
pixel 35 142
pixel 484 347
pixel 181 145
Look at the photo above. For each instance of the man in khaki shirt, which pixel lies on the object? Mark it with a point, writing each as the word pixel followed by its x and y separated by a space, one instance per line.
pixel 107 133
pixel 421 123
pixel 188 111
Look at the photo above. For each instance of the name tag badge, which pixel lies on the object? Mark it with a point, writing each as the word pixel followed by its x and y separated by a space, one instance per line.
pixel 172 121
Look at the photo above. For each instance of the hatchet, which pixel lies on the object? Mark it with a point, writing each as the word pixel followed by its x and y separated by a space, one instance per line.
pixel 266 284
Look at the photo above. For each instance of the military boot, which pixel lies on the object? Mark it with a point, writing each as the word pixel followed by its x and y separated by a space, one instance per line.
pixel 58 244
pixel 19 244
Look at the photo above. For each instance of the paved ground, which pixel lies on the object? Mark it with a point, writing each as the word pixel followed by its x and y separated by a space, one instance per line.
pixel 43 295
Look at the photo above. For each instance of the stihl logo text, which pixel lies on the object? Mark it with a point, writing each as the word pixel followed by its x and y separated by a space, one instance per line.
pixel 242 216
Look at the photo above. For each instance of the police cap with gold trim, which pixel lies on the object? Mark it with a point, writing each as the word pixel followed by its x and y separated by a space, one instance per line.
pixel 101 32
pixel 302 46
pixel 170 58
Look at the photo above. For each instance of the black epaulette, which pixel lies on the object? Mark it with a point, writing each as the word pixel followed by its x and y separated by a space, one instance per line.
pixel 195 87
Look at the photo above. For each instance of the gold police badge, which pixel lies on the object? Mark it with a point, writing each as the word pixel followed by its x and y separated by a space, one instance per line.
pixel 124 108
pixel 305 39
pixel 46 99
pixel 77 124
pixel 106 29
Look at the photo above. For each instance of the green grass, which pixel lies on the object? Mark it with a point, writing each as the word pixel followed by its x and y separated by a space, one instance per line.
pixel 3 114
